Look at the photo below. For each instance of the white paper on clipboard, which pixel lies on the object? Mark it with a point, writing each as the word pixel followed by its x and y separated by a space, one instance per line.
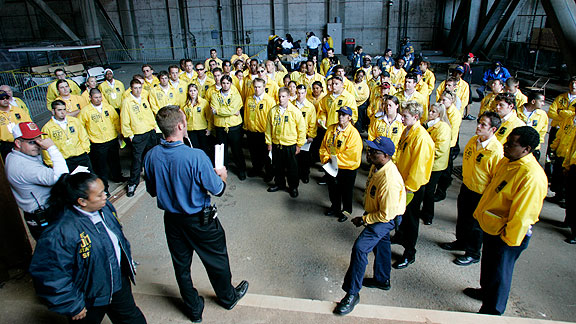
pixel 331 166
pixel 270 155
pixel 218 156
pixel 306 147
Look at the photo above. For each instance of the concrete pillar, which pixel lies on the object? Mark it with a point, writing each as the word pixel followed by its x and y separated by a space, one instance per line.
pixel 127 23
pixel 90 19
pixel 473 20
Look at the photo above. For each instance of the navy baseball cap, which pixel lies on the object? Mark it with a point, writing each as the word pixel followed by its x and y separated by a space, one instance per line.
pixel 460 69
pixel 382 144
pixel 345 110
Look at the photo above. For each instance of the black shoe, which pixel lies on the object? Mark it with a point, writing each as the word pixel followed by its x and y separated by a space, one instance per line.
pixel 571 240
pixel 452 246
pixel 347 304
pixel 330 212
pixel 242 176
pixel 305 179
pixel 196 318
pixel 465 260
pixel 469 117
pixel 241 290
pixel 130 190
pixel 474 293
pixel 373 283
pixel 403 263
pixel 294 192
pixel 439 196
pixel 342 218
pixel 323 180
pixel 428 221
pixel 275 188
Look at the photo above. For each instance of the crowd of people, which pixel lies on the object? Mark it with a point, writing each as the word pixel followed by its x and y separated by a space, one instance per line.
pixel 292 120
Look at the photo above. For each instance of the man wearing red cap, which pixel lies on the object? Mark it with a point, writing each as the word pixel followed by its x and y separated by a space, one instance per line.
pixel 31 180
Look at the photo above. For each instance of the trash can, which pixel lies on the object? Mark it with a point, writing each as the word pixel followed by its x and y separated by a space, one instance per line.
pixel 349 44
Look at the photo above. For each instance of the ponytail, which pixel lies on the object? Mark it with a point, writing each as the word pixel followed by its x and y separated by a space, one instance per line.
pixel 67 190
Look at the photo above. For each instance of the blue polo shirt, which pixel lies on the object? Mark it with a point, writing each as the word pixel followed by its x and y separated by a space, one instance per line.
pixel 181 177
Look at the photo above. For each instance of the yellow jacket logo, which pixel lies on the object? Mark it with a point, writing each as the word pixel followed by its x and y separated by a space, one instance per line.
pixel 85 245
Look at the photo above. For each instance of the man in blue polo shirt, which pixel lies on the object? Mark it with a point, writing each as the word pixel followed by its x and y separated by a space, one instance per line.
pixel 182 178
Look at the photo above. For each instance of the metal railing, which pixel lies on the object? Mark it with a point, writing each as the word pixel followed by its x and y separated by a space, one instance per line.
pixel 35 99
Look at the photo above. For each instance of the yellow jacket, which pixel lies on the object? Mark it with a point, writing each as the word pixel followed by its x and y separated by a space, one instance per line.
pixel 19 103
pixel 136 117
pixel 226 110
pixel 52 91
pixel 310 118
pixel 329 106
pixel 561 108
pixel 14 116
pixel 376 100
pixel 207 62
pixel 179 91
pixel 513 199
pixel 149 85
pixel 73 103
pixel 520 99
pixel 345 144
pixel 441 135
pixel 361 92
pixel 285 129
pixel 113 94
pixel 564 138
pixel 419 98
pixel 72 141
pixel 86 96
pixel 430 79
pixel 316 101
pixel 415 156
pixel 278 77
pixel 159 98
pixel 348 85
pixel 199 116
pixel 202 88
pixel 374 85
pixel 537 120
pixel 188 79
pixel 145 95
pixel 102 126
pixel 308 81
pixel 385 194
pixel 422 87
pixel 397 79
pixel 380 127
pixel 507 126
pixel 488 103
pixel 324 66
pixel 243 57
pixel 271 89
pixel 462 91
pixel 247 88
pixel 256 113
pixel 455 121
pixel 479 163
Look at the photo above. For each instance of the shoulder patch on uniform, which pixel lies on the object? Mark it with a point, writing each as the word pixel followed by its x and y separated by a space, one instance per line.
pixel 501 186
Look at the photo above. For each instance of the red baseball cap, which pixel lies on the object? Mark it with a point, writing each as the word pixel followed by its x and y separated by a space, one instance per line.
pixel 470 55
pixel 27 130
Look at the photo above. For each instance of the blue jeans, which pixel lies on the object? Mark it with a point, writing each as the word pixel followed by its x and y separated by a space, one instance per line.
pixel 375 237
pixel 496 269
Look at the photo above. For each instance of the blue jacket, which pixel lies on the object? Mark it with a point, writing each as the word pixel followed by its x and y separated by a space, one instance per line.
pixel 356 59
pixel 503 75
pixel 74 265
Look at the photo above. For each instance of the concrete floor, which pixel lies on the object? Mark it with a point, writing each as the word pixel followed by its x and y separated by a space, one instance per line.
pixel 295 257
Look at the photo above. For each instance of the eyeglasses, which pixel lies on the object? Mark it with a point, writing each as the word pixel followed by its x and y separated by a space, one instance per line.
pixel 202 69
pixel 261 71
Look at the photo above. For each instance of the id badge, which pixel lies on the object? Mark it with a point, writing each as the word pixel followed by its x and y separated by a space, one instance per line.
pixel 10 127
pixel 113 95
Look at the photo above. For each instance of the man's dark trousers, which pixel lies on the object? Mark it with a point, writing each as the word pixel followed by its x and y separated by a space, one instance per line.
pixel 375 237
pixel 185 235
pixel 141 144
pixel 496 269
pixel 468 231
